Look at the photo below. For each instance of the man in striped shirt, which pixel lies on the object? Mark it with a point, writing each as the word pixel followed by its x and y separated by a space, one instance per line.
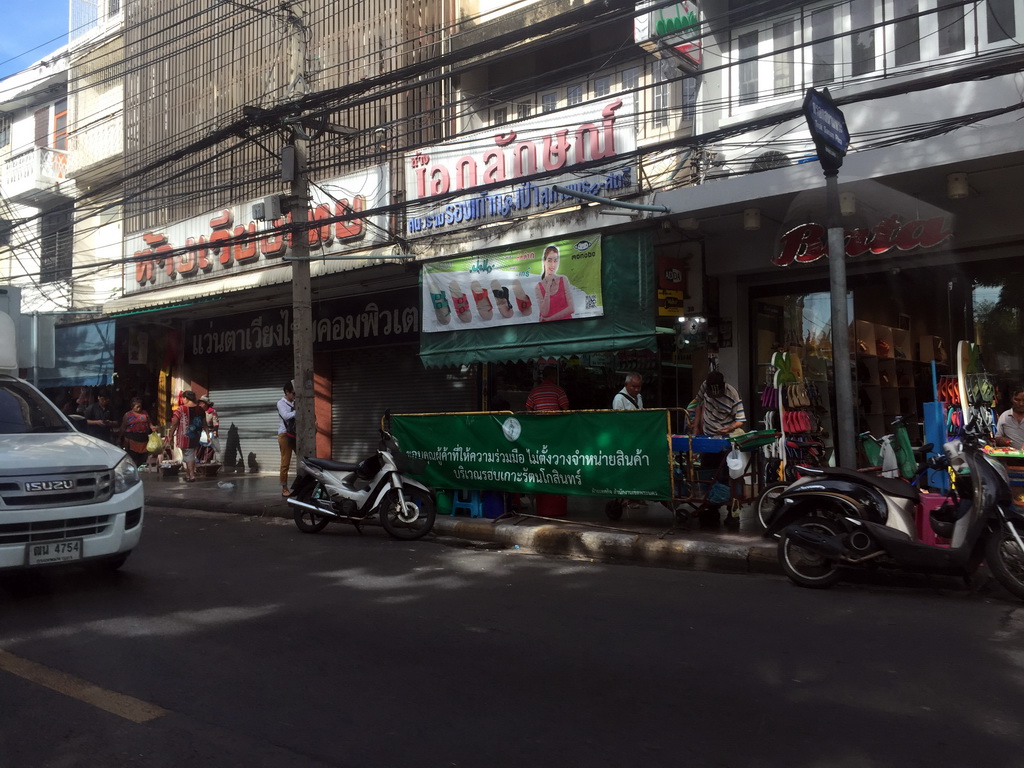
pixel 719 405
pixel 548 396
pixel 716 411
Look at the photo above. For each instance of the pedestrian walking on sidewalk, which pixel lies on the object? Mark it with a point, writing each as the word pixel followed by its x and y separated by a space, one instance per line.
pixel 286 433
pixel 136 427
pixel 187 426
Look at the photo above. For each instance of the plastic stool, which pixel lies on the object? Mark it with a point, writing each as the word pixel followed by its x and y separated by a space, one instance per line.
pixel 468 501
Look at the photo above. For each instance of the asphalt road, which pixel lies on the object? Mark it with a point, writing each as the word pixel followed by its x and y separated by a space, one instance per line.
pixel 228 641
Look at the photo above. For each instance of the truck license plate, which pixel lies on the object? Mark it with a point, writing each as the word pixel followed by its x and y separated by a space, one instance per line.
pixel 48 552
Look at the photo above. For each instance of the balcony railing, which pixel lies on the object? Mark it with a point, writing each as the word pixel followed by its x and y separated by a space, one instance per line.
pixel 35 174
pixel 95 144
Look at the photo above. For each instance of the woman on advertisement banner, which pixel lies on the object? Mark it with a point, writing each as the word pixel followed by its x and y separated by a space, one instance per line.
pixel 554 291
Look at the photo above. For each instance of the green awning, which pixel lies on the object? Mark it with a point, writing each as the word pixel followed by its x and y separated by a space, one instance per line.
pixel 627 280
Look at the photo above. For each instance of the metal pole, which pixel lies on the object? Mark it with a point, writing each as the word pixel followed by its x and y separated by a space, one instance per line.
pixel 844 443
pixel 35 349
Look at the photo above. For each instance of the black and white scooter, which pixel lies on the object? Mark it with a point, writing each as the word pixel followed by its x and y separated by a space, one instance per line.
pixel 832 519
pixel 377 487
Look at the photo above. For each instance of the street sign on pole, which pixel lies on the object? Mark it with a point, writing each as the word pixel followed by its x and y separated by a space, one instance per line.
pixel 828 128
pixel 831 138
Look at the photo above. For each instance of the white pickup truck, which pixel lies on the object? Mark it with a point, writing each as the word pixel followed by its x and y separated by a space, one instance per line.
pixel 65 497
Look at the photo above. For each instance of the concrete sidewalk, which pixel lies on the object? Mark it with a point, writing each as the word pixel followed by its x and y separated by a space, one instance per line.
pixel 646 536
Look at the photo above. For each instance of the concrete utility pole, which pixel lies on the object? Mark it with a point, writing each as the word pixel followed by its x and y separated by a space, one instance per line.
pixel 294 170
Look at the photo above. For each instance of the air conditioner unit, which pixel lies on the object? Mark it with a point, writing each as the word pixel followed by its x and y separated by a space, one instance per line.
pixel 769 160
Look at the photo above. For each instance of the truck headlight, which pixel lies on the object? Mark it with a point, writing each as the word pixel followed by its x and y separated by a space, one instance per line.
pixel 126 474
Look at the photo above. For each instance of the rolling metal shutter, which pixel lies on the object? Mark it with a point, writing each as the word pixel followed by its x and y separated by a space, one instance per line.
pixel 369 382
pixel 245 394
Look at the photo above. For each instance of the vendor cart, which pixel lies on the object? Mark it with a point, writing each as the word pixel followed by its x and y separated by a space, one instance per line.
pixel 697 488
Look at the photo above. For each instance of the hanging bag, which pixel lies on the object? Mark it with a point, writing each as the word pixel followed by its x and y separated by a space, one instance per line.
pixel 155 444
pixel 737 462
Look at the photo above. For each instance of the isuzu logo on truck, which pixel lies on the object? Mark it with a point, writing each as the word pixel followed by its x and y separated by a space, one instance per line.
pixel 50 485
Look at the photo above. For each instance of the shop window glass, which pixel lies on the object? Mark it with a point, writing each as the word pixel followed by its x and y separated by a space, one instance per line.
pixel 823 54
pixel 690 99
pixel 549 102
pixel 952 33
pixel 1001 20
pixel 602 86
pixel 746 51
pixel 862 48
pixel 573 94
pixel 55 244
pixel 907 32
pixel 801 324
pixel 524 110
pixel 998 301
pixel 784 35
pixel 630 79
pixel 661 96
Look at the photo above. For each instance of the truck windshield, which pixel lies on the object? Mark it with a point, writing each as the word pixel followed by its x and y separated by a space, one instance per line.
pixel 23 409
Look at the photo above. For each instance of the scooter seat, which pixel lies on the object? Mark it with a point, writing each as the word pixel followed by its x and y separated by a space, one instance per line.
pixel 890 486
pixel 336 466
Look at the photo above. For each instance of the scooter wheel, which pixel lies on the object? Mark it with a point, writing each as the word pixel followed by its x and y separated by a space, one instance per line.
pixel 1004 556
pixel 306 520
pixel 411 522
pixel 804 567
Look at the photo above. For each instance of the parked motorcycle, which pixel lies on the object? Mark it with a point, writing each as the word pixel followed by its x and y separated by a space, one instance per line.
pixel 328 491
pixel 834 519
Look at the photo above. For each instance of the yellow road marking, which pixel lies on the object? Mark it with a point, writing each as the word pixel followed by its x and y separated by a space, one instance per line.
pixel 128 707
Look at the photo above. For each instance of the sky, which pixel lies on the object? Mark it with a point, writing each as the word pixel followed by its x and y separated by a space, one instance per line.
pixel 30 31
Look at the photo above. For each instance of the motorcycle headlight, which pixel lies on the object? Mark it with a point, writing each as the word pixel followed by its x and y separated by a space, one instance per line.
pixel 126 474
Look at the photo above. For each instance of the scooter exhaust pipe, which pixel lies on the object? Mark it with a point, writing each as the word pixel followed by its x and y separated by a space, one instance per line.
pixel 829 546
pixel 318 510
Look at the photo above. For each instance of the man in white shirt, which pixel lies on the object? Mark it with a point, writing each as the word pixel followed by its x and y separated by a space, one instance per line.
pixel 629 398
pixel 1010 426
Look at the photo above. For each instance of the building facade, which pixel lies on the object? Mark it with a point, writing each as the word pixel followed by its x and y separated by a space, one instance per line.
pixel 455 138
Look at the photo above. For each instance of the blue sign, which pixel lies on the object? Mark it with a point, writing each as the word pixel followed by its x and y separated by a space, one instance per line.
pixel 826 123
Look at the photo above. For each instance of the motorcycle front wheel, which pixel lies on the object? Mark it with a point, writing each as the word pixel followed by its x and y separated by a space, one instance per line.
pixel 1005 558
pixel 306 520
pixel 804 567
pixel 411 522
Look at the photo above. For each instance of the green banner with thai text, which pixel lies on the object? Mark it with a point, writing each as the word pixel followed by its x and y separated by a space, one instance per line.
pixel 618 454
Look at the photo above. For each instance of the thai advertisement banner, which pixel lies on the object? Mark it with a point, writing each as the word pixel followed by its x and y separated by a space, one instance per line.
pixel 512 170
pixel 230 241
pixel 616 454
pixel 537 283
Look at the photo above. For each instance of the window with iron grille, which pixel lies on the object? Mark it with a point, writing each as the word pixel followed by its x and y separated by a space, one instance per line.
pixel 55 246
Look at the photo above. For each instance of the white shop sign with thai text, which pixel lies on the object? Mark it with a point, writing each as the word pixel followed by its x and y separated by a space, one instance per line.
pixel 451 186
